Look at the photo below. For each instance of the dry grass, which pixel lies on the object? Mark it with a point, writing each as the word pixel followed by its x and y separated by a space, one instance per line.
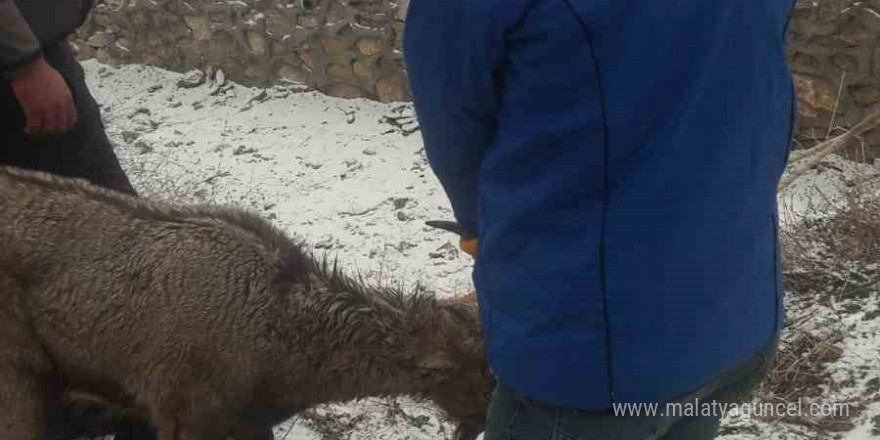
pixel 800 369
pixel 830 269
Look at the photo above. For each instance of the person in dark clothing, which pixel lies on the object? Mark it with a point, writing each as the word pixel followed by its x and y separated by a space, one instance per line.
pixel 50 122
pixel 48 118
pixel 617 162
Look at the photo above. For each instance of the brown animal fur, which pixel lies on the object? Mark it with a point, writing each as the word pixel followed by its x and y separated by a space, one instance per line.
pixel 205 322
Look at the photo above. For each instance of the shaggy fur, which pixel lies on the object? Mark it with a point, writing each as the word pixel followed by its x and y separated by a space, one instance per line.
pixel 205 322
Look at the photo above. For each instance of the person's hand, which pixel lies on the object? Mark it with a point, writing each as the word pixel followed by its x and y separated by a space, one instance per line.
pixel 469 246
pixel 467 241
pixel 45 98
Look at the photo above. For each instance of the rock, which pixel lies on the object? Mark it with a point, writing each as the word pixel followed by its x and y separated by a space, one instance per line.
pixel 220 78
pixel 334 46
pixel 401 202
pixel 307 58
pixel 815 92
pixel 869 17
pixel 866 95
pixel 130 136
pixel 389 90
pixel 141 20
pixel 155 88
pixel 291 73
pixel 369 151
pixel 362 70
pixel 279 26
pixel 448 251
pixel 409 128
pixel 254 72
pixel 199 27
pixel 402 7
pixel 872 137
pixel 279 92
pixel 344 91
pixel 143 148
pixel 143 123
pixel 326 242
pixel 257 43
pixel 102 16
pixel 261 96
pixel 340 72
pixel 398 28
pixel 104 72
pixel 104 56
pixel 352 164
pixel 404 246
pixel 192 79
pixel 85 52
pixel 402 216
pixel 99 40
pixel 139 111
pixel 403 119
pixel 218 83
pixel 241 149
pixel 368 46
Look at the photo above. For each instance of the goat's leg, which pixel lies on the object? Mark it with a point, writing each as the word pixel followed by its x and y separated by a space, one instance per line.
pixel 202 417
pixel 188 431
pixel 22 404
pixel 252 432
pixel 167 432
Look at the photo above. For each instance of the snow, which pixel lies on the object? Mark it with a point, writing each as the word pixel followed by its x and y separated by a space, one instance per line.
pixel 350 177
pixel 337 173
pixel 818 193
pixel 341 174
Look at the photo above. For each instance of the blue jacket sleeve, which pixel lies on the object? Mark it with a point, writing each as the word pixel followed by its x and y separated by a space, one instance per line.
pixel 452 50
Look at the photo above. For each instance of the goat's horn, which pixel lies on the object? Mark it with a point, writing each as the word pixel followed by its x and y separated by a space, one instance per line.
pixel 451 226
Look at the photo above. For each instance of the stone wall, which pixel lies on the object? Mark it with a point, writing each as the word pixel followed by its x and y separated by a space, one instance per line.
pixel 835 57
pixel 352 48
pixel 346 48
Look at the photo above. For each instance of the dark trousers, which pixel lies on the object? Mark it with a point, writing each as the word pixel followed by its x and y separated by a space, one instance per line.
pixel 515 417
pixel 83 151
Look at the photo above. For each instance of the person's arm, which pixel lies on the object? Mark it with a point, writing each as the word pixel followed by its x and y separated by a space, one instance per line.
pixel 18 44
pixel 41 91
pixel 453 51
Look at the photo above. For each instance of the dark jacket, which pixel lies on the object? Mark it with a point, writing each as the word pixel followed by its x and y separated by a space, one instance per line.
pixel 619 161
pixel 27 26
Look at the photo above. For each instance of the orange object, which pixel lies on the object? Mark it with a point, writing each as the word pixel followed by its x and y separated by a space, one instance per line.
pixel 469 246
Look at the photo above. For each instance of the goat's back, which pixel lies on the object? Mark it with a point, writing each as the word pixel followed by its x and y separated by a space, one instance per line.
pixel 108 284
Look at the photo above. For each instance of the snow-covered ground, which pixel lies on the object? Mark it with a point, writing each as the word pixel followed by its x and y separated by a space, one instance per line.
pixel 351 178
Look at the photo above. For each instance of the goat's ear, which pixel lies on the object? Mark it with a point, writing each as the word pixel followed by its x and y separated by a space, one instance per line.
pixel 471 297
pixel 436 362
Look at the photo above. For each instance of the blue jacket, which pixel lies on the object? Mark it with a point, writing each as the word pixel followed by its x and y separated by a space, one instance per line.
pixel 618 160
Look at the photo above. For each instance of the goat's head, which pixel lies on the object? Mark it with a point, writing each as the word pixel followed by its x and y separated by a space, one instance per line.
pixel 455 370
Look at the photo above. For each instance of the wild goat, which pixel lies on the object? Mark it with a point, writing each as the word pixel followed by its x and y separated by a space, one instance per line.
pixel 205 322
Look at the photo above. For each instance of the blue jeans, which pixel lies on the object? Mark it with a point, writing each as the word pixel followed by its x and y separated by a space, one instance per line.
pixel 515 417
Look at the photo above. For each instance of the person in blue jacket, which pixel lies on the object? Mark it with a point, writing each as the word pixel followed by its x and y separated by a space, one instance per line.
pixel 618 162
